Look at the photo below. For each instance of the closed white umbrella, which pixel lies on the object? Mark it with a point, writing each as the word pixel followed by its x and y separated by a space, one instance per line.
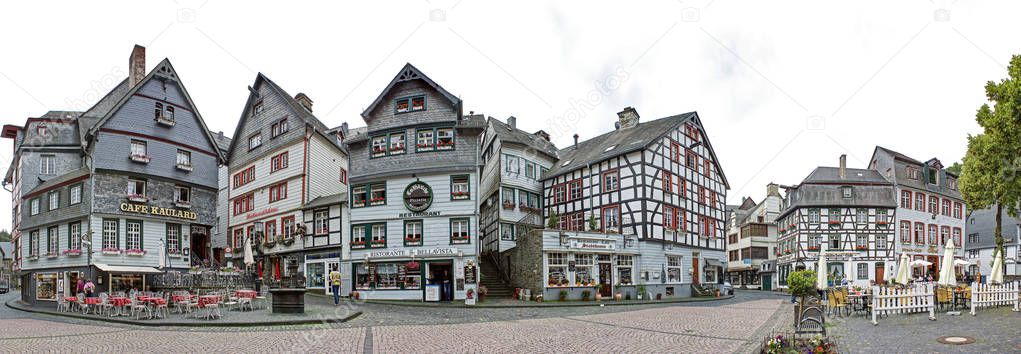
pixel 961 262
pixel 902 270
pixel 946 270
pixel 163 255
pixel 996 276
pixel 249 258
pixel 820 279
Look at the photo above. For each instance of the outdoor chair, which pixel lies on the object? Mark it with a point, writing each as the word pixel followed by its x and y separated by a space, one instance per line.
pixel 137 308
pixel 262 298
pixel 944 297
pixel 229 301
pixel 164 307
pixel 82 305
pixel 62 304
pixel 104 306
pixel 838 302
pixel 212 309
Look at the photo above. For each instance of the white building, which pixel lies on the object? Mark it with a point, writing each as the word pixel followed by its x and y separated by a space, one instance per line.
pixel 751 239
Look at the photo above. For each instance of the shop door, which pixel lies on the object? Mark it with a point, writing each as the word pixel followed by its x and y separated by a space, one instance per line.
pixel 880 273
pixel 328 283
pixel 695 270
pixel 767 282
pixel 934 268
pixel 605 279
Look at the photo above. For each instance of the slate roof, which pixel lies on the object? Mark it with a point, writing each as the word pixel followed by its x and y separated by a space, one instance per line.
pixel 900 175
pixel 853 175
pixel 823 188
pixel 410 72
pixel 222 142
pixel 985 225
pixel 102 107
pixel 58 180
pixel 326 200
pixel 506 133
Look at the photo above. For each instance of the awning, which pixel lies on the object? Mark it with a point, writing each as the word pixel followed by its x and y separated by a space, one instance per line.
pixel 127 269
pixel 713 263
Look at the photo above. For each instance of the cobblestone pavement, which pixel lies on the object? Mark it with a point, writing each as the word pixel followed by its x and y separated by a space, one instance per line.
pixel 994 330
pixel 723 326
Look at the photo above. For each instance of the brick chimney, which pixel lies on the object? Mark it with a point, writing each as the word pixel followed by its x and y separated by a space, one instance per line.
pixel 772 189
pixel 843 166
pixel 136 65
pixel 628 118
pixel 512 122
pixel 304 101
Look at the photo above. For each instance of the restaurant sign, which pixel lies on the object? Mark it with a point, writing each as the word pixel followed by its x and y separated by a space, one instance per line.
pixel 592 244
pixel 158 211
pixel 418 196
pixel 405 253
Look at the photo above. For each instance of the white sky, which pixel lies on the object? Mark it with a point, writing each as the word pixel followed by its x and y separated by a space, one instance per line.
pixel 781 89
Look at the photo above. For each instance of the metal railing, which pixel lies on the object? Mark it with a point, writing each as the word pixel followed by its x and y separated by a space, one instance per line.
pixel 203 280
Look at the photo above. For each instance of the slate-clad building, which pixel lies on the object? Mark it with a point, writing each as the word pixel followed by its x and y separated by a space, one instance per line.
pixel 845 212
pixel 414 192
pixel 135 175
pixel 980 242
pixel 287 189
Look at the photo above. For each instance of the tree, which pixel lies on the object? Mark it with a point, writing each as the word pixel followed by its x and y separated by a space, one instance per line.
pixel 554 220
pixel 5 236
pixel 991 174
pixel 592 224
pixel 955 169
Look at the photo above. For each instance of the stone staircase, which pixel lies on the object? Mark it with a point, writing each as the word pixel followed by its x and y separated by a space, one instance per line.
pixel 498 288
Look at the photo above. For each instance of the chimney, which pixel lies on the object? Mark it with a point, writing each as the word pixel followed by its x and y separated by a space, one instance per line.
pixel 843 166
pixel 628 118
pixel 542 134
pixel 136 65
pixel 304 101
pixel 512 122
pixel 772 189
pixel 220 133
pixel 575 140
pixel 343 128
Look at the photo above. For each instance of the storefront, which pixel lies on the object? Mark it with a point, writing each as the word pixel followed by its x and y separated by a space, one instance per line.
pixel 318 268
pixel 113 278
pixel 437 274
pixel 577 266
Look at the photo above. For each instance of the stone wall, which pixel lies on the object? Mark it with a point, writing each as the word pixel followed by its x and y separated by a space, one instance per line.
pixel 525 262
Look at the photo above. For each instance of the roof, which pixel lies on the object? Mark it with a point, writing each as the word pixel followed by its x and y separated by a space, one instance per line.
pixel 222 142
pixel 6 250
pixel 983 223
pixel 900 177
pixel 58 180
pixel 328 200
pixel 622 140
pixel 853 175
pixel 410 72
pixel 898 155
pixel 507 133
pixel 824 188
pixel 102 107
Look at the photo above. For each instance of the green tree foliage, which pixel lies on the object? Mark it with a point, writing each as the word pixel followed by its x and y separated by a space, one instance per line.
pixel 955 168
pixel 554 220
pixel 5 236
pixel 592 224
pixel 991 174
pixel 802 283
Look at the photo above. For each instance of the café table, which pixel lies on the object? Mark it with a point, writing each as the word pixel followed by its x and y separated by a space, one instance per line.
pixel 860 301
pixel 120 303
pixel 251 294
pixel 208 300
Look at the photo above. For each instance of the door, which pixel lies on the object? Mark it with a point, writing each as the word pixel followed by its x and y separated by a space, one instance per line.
pixel 605 279
pixel 880 273
pixel 330 266
pixel 695 270
pixel 767 282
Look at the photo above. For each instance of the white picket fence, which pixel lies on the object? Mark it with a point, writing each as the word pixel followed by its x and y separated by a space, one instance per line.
pixel 890 301
pixel 988 295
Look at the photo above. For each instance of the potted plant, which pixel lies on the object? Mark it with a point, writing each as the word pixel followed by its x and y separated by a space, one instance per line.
pixel 802 284
pixel 563 295
pixel 618 296
pixel 585 294
pixel 599 295
pixel 538 298
pixel 641 291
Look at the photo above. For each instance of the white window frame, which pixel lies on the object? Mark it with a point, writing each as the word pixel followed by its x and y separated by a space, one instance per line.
pixel 75 194
pixel 53 199
pixel 674 266
pixel 74 234
pixel 321 222
pixel 174 237
pixel 111 234
pixel 254 141
pixel 47 164
pixel 133 238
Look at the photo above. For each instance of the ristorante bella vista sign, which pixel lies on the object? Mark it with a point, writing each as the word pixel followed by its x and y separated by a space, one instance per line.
pixel 158 211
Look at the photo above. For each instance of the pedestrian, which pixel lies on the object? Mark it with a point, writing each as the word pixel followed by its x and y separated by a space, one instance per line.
pixel 89 288
pixel 79 287
pixel 335 284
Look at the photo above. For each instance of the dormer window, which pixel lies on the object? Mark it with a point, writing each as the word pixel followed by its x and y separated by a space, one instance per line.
pixel 257 108
pixel 933 175
pixel 409 104
pixel 952 183
pixel 913 173
pixel 163 114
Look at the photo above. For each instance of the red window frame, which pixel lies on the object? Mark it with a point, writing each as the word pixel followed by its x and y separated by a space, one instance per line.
pixel 919 201
pixel 675 151
pixel 611 172
pixel 560 193
pixel 669 217
pixel 946 207
pixel 278 162
pixel 933 234
pixel 571 188
pixel 270 224
pixel 933 205
pixel 603 214
pixel 712 199
pixel 239 237
pixel 707 167
pixel 944 234
pixel 919 233
pixel 708 226
pixel 701 194
pixel 692 132
pixel 958 213
pixel 957 237
pixel 576 221
pixel 244 177
pixel 343 175
pixel 668 182
pixel 278 192
pixel 905 199
pixel 691 160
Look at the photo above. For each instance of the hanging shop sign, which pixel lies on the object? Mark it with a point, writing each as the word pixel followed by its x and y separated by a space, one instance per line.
pixel 158 211
pixel 592 244
pixel 418 196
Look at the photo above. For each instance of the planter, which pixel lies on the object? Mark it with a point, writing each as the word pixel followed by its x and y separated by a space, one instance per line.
pixel 269 244
pixel 184 167
pixel 508 206
pixel 140 158
pixel 73 253
pixel 618 296
pixel 183 205
pixel 111 252
pixel 287 241
pixel 134 253
pixel 599 297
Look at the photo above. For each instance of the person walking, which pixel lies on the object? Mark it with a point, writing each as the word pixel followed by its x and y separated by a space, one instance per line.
pixel 89 288
pixel 79 287
pixel 335 285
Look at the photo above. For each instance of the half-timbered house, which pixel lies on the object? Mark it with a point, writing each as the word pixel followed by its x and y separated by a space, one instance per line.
pixel 845 213
pixel 751 239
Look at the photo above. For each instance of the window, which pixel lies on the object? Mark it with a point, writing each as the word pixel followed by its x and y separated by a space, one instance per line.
pixel 279 128
pixel 278 192
pixel 944 235
pixel 951 183
pixel 835 242
pixel 529 199
pixel 919 233
pixel 556 266
pixel 41 130
pixel 691 160
pixel 254 141
pixel 377 194
pixel 445 138
pixel 813 242
pixel 413 232
pixel 958 210
pixel 673 269
pixel 880 242
pixel 576 221
pixel 932 234
pixel 575 190
pixel 933 205
pixel 946 207
pixel 133 235
pixel 814 216
pixel 33 243
pixel 881 218
pixel 379 146
pixel 862 216
pixel 397 144
pixel 244 204
pixel 905 199
pixel 459 188
pixel 33 206
pixel 625 269
pixel 708 226
pixel 957 237
pixel 511 164
pixel 529 170
pixel 47 164
pixel 675 151
pixel 863 271
pixel 378 235
pixel 139 149
pixel 359 196
pixel 583 274
pixel 861 242
pixel 74 236
pixel 287 227
pixel 343 175
pixel 559 193
pixel 183 159
pixel 270 231
pixel 919 201
pixel 668 182
pixel 52 237
pixel 157 111
pixel 913 173
pixel 846 191
pixel 169 116
pixel 611 181
pixel 933 175
pixel 321 222
pixel 182 195
pixel 278 162
pixel 244 177
pixel 459 231
pixel 707 168
pixel 239 237
pixel 136 188
pixel 410 104
pixel 426 140
pixel 611 218
pixel 111 234
pixel 257 108
pixel 507 231
pixel 54 198
pixel 174 238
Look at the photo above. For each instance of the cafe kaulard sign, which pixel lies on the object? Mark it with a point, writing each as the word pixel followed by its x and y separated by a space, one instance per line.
pixel 418 196
pixel 158 211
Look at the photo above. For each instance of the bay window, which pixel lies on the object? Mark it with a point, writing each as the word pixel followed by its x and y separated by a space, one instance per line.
pixel 397 144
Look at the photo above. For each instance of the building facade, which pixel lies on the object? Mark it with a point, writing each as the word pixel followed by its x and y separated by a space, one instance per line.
pixel 980 243
pixel 637 210
pixel 125 189
pixel 287 190
pixel 414 195
pixel 930 212
pixel 848 214
pixel 751 239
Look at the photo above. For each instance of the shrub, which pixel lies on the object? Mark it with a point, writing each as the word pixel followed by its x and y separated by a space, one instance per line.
pixel 802 282
pixel 563 295
pixel 585 294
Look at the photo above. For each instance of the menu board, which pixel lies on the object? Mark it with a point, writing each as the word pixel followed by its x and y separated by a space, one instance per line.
pixel 469 274
pixel 432 292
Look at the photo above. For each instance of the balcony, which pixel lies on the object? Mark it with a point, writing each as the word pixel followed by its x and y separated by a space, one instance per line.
pixel 138 198
pixel 139 158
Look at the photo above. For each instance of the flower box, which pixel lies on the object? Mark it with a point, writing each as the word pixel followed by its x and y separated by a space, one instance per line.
pixel 135 252
pixel 287 241
pixel 813 248
pixel 182 204
pixel 424 146
pixel 377 201
pixel 269 244
pixel 140 158
pixel 51 254
pixel 508 206
pixel 72 253
pixel 184 167
pixel 359 203
pixel 861 248
pixel 459 194
pixel 33 258
pixel 833 222
pixel 138 198
pixel 111 251
pixel 165 121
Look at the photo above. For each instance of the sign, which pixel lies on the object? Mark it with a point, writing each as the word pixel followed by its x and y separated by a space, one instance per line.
pixel 418 196
pixel 592 244
pixel 259 213
pixel 470 294
pixel 158 211
pixel 469 274
pixel 390 254
pixel 418 215
pixel 432 292
pixel 436 252
pixel 407 253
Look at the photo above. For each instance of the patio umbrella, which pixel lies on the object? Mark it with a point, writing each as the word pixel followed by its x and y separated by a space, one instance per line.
pixel 961 262
pixel 902 270
pixel 163 256
pixel 996 275
pixel 249 258
pixel 920 263
pixel 946 270
pixel 820 280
